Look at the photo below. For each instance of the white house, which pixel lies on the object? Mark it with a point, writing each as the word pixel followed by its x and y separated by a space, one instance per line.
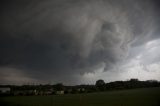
pixel 59 92
pixel 5 90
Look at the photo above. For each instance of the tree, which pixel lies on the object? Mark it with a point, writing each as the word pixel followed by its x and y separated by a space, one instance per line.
pixel 100 84
pixel 59 86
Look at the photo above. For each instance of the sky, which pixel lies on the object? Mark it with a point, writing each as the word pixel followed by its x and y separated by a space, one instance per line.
pixel 79 41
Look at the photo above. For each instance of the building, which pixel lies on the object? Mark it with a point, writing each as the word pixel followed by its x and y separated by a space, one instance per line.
pixel 5 90
pixel 59 92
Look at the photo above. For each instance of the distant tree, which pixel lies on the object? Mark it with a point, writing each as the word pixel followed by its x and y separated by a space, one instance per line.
pixel 59 86
pixel 134 80
pixel 100 84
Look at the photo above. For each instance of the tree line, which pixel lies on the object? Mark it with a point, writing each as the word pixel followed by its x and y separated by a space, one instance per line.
pixel 99 86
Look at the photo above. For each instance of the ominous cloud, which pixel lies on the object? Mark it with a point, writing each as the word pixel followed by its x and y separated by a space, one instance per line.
pixel 61 40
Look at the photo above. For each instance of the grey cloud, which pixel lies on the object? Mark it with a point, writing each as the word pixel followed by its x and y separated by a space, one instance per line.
pixel 72 37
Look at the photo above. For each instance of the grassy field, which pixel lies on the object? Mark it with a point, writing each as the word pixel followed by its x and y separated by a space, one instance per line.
pixel 134 97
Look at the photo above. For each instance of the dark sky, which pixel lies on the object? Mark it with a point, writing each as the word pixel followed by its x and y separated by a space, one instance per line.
pixel 79 41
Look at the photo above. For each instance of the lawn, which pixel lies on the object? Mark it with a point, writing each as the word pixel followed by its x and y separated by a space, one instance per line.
pixel 134 97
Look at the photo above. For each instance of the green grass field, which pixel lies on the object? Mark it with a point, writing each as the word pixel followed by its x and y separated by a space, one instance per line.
pixel 134 97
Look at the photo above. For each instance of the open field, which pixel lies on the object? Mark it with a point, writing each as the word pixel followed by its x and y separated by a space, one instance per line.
pixel 134 97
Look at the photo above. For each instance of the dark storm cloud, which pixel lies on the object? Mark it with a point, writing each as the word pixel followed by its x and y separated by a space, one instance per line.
pixel 59 37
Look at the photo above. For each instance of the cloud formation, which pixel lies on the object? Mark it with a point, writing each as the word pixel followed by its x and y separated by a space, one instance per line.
pixel 52 39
